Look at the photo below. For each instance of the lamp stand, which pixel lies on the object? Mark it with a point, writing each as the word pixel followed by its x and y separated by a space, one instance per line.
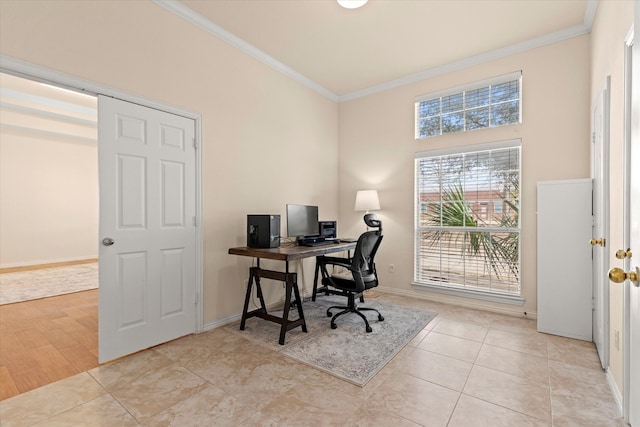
pixel 367 200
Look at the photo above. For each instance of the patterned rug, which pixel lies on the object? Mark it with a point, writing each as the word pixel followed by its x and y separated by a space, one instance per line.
pixel 47 282
pixel 347 352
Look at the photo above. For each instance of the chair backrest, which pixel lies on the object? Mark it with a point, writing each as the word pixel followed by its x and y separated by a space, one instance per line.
pixel 372 221
pixel 363 260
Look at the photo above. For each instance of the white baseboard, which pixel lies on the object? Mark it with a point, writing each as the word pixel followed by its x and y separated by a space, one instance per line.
pixel 460 302
pixel 221 322
pixel 47 261
pixel 617 396
pixel 435 298
pixel 233 318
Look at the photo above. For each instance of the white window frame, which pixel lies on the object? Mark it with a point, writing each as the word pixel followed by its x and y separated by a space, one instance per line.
pixel 462 90
pixel 455 289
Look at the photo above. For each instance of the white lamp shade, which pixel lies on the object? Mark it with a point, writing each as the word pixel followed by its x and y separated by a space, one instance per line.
pixel 367 200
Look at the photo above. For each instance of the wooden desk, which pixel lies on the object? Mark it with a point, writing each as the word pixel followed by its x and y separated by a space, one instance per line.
pixel 286 254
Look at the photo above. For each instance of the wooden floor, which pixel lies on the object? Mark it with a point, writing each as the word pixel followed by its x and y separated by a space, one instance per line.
pixel 45 340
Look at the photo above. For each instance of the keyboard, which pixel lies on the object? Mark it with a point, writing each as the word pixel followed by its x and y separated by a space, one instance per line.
pixel 322 243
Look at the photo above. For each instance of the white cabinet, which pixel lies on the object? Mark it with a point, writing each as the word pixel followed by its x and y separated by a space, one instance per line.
pixel 564 258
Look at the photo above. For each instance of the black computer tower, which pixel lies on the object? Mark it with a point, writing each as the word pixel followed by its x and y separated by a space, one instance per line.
pixel 263 231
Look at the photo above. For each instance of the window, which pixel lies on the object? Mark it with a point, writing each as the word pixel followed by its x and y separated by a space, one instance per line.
pixel 459 243
pixel 490 103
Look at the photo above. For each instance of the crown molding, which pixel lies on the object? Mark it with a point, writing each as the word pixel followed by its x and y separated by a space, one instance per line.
pixel 578 30
pixel 590 14
pixel 471 61
pixel 31 98
pixel 200 21
pixel 53 134
pixel 43 113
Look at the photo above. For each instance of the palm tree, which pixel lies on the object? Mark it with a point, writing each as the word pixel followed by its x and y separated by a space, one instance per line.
pixel 500 251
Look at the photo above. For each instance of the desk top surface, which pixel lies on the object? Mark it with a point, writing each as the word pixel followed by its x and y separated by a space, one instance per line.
pixel 292 252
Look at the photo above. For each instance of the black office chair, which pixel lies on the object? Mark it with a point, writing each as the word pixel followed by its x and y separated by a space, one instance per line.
pixel 362 270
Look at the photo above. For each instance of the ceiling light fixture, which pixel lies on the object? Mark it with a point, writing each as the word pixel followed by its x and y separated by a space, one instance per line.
pixel 352 4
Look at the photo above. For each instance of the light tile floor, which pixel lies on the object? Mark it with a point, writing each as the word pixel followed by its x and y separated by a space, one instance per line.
pixel 466 368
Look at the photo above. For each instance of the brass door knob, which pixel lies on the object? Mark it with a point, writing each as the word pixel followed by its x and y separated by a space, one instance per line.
pixel 601 242
pixel 617 275
pixel 622 254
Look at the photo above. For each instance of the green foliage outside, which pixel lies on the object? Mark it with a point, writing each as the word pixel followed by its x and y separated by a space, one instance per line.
pixel 500 251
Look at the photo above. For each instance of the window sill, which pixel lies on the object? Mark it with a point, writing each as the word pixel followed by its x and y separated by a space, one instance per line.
pixel 468 293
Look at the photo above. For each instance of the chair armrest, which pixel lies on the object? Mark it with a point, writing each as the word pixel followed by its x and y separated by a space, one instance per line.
pixel 341 262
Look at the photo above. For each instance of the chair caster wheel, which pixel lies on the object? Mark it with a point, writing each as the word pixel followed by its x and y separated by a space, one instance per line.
pixel 328 313
pixel 334 326
pixel 380 318
pixel 369 329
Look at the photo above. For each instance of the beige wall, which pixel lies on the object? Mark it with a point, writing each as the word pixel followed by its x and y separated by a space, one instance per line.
pixel 48 200
pixel 48 178
pixel 267 140
pixel 377 149
pixel 611 27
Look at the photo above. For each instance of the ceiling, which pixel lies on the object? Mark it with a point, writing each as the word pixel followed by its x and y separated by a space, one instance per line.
pixel 348 53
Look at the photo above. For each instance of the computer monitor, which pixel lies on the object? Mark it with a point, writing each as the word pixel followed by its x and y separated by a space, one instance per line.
pixel 302 221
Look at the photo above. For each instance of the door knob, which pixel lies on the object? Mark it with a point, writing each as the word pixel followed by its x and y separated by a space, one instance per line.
pixel 617 275
pixel 601 242
pixel 622 254
pixel 108 241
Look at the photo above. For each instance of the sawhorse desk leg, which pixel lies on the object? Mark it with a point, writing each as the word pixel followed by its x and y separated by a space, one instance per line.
pixel 291 285
pixel 315 280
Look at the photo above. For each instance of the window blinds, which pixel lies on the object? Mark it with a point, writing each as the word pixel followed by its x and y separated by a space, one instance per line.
pixel 467 219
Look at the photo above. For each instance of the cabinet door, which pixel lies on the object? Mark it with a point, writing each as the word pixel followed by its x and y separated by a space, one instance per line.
pixel 564 258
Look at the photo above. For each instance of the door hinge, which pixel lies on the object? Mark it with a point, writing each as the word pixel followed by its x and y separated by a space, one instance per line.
pixel 195 221
pixel 593 304
pixel 195 144
pixel 197 298
pixel 593 137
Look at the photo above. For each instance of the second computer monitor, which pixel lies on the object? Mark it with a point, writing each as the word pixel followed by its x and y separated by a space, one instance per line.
pixel 302 220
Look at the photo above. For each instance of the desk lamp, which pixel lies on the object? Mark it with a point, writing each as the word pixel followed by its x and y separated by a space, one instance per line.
pixel 367 200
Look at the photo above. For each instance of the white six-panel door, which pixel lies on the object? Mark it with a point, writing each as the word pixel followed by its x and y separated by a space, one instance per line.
pixel 147 227
pixel 633 238
pixel 632 264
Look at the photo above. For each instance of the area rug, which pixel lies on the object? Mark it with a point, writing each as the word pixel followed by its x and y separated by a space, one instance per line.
pixel 347 352
pixel 47 282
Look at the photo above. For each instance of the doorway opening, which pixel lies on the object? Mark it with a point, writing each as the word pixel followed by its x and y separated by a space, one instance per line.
pixel 185 281
pixel 49 210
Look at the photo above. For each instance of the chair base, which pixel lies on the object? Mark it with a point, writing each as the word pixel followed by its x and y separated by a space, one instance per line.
pixel 352 307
